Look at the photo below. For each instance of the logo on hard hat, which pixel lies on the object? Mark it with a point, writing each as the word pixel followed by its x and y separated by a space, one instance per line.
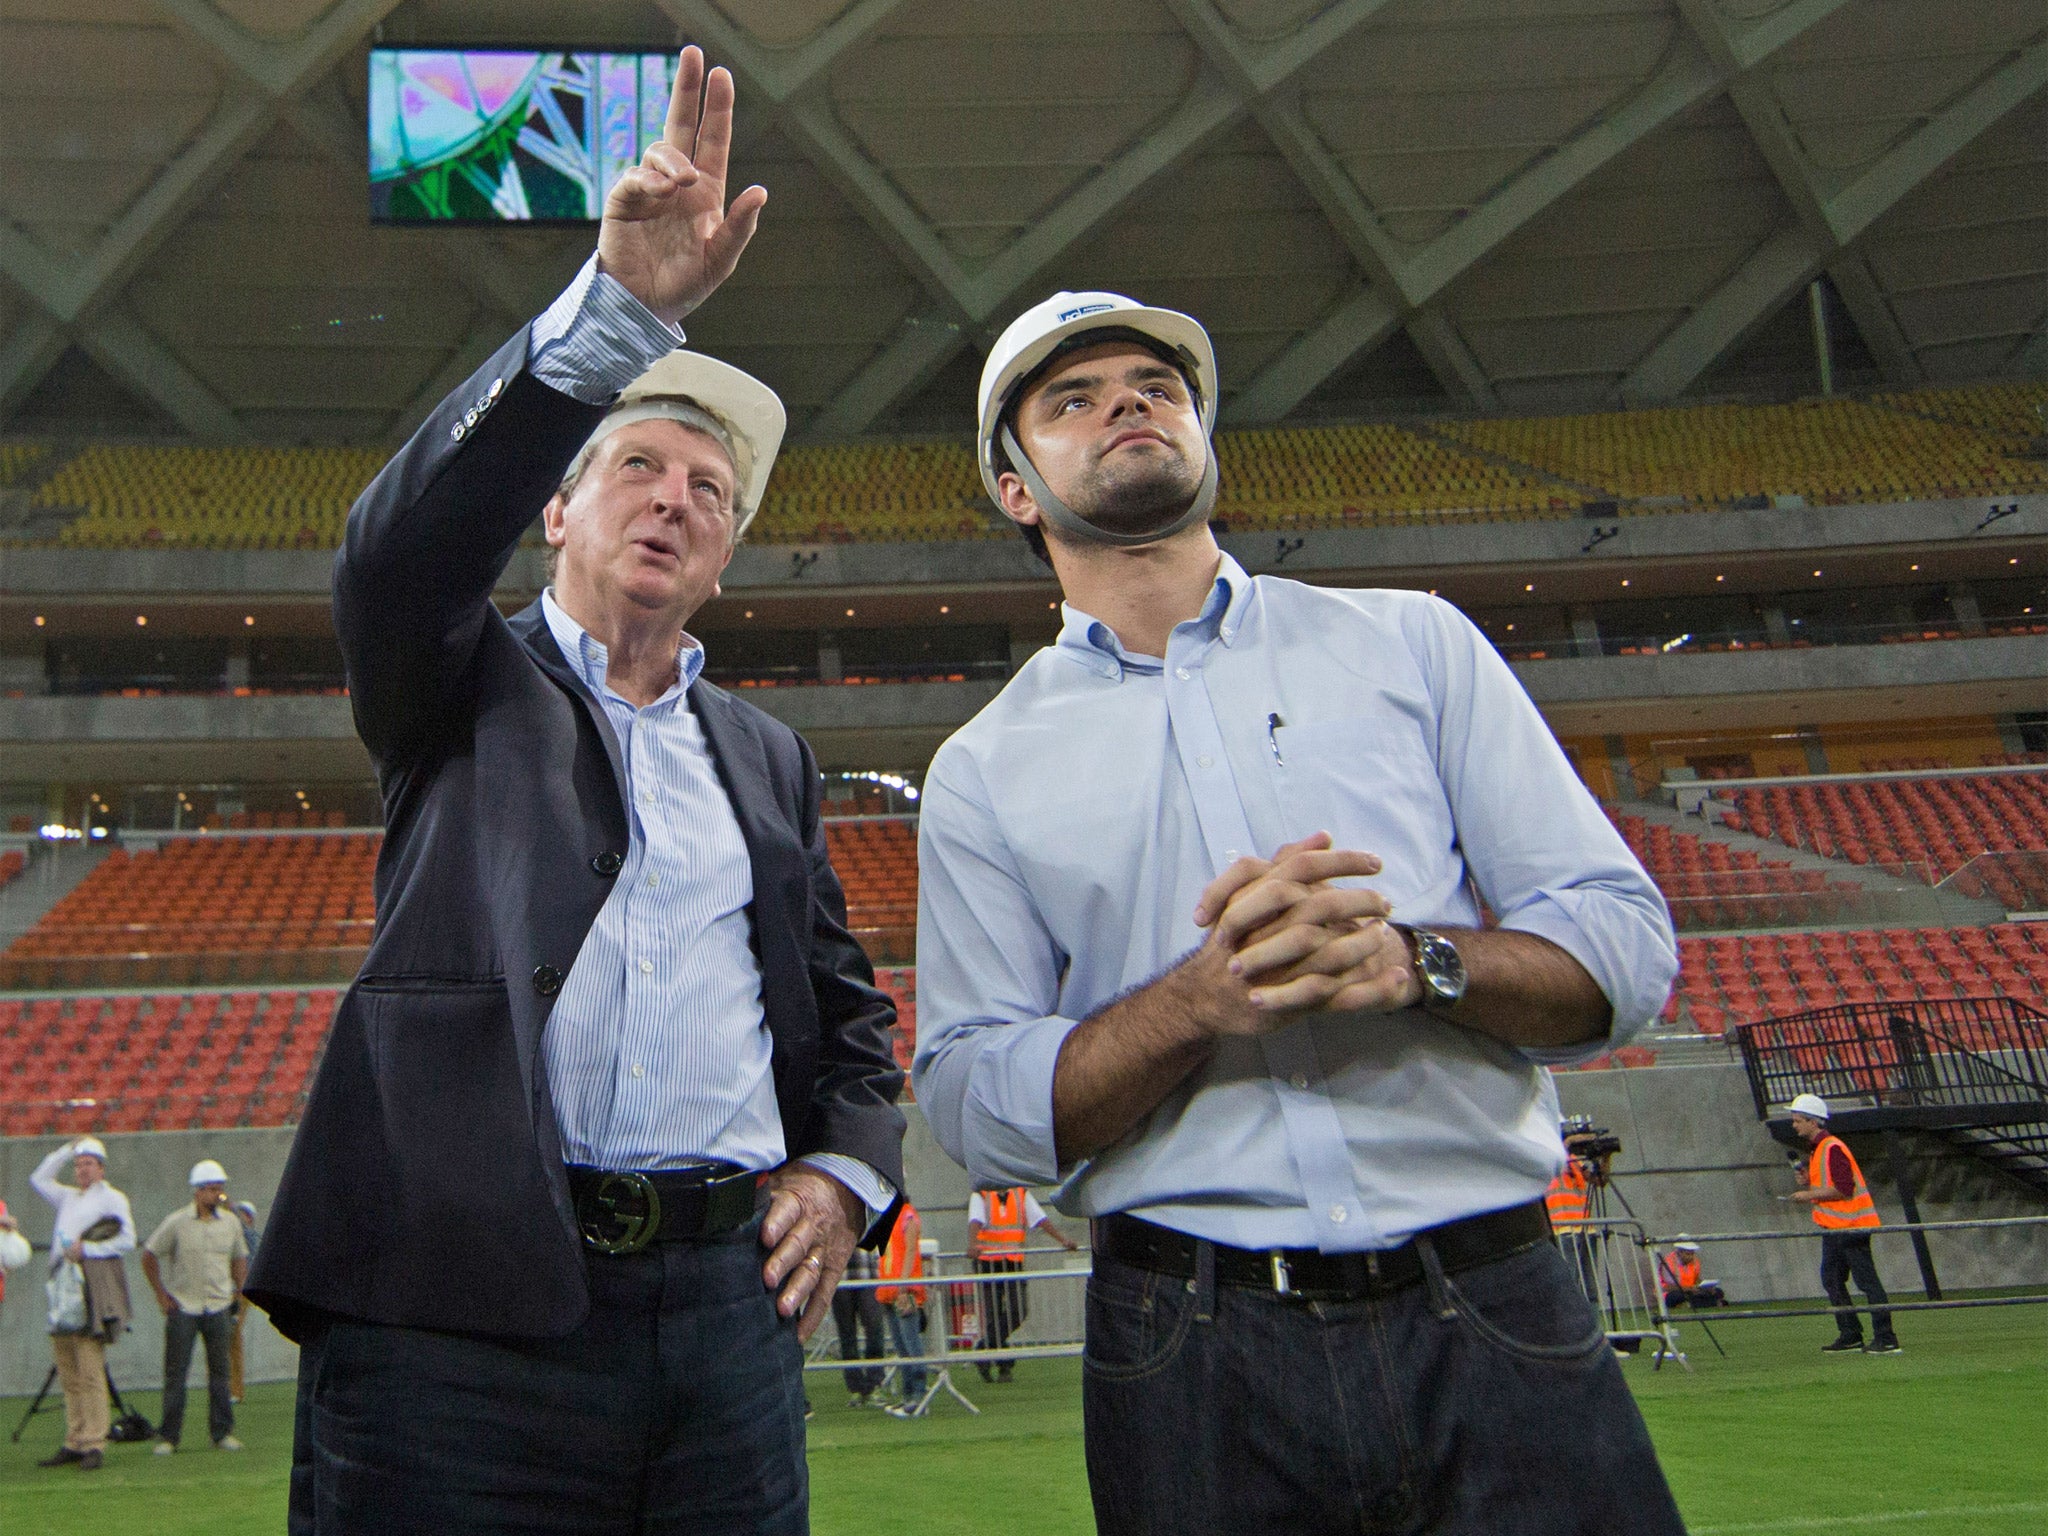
pixel 1086 309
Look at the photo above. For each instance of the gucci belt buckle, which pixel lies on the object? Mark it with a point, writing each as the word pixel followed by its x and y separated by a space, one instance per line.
pixel 621 1215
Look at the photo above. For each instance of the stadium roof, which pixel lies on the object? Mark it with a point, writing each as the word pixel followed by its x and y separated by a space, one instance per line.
pixel 1378 206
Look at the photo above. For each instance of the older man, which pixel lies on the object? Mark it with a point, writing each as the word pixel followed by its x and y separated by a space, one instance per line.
pixel 196 1261
pixel 88 1204
pixel 1315 1141
pixel 612 1099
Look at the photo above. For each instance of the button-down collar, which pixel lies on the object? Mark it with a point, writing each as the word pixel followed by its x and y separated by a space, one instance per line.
pixel 591 659
pixel 1093 644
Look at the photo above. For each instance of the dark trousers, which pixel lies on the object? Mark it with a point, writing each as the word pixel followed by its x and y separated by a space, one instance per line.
pixel 1003 1303
pixel 862 1335
pixel 1482 1403
pixel 1846 1255
pixel 677 1406
pixel 180 1329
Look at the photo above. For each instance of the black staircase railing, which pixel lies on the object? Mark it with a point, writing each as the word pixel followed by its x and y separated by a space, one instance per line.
pixel 1978 1057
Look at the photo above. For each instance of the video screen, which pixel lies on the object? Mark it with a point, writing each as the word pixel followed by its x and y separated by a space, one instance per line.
pixel 489 136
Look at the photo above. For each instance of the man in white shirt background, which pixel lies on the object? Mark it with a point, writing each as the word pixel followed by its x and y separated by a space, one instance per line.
pixel 80 1352
pixel 196 1261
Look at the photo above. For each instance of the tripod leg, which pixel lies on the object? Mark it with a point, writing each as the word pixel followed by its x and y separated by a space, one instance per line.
pixel 35 1406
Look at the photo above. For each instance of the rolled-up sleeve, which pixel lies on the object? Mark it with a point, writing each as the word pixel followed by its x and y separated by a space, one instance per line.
pixel 988 1033
pixel 1541 851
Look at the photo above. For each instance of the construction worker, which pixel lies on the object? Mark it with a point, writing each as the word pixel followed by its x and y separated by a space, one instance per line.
pixel 1845 1213
pixel 1569 1200
pixel 903 1260
pixel 1679 1273
pixel 998 1221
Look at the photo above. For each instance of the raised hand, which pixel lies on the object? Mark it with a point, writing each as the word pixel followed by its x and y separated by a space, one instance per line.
pixel 667 234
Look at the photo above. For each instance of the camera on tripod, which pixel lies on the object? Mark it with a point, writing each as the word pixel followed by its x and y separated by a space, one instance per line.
pixel 1582 1138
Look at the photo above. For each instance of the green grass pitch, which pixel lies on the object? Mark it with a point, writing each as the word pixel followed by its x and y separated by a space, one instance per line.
pixel 1950 1439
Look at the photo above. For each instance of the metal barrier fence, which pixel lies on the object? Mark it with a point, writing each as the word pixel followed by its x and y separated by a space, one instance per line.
pixel 1617 1268
pixel 988 1313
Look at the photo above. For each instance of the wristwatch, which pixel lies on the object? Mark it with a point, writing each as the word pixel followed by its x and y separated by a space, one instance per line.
pixel 1438 966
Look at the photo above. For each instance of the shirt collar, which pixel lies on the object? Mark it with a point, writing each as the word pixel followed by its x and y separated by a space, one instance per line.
pixel 588 655
pixel 1094 644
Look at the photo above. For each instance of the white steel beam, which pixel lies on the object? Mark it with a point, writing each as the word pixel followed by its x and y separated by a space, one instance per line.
pixel 72 292
pixel 1685 81
pixel 1793 257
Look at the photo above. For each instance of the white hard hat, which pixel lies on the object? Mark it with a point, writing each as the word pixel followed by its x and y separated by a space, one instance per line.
pixel 737 409
pixel 1686 1243
pixel 1033 337
pixel 89 1146
pixel 1811 1105
pixel 207 1171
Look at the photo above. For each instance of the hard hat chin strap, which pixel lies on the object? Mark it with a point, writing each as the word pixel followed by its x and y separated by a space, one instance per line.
pixel 1070 521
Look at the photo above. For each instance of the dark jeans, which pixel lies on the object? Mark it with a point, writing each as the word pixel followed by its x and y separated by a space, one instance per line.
pixel 858 1317
pixel 907 1328
pixel 180 1329
pixel 1843 1255
pixel 677 1406
pixel 1004 1304
pixel 1476 1405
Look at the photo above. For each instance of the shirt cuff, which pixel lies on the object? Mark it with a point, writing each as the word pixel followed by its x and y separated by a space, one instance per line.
pixel 597 338
pixel 1633 976
pixel 1006 1115
pixel 875 1192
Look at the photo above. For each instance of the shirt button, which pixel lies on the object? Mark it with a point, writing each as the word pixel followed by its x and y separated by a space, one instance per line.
pixel 646 967
pixel 653 880
pixel 1338 1214
pixel 638 1070
pixel 647 797
pixel 1182 673
pixel 1205 761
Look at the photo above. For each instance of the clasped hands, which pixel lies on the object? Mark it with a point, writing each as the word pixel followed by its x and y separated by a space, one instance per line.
pixel 1286 940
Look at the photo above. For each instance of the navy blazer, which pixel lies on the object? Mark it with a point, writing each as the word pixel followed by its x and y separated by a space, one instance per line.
pixel 426 1186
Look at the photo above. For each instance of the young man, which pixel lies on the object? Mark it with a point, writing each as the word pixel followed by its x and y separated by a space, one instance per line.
pixel 612 1099
pixel 1315 1143
pixel 196 1261
pixel 1845 1213
pixel 999 1223
pixel 903 1260
pixel 81 1351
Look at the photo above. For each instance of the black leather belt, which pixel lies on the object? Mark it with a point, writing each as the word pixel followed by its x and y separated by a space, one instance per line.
pixel 624 1212
pixel 1317 1276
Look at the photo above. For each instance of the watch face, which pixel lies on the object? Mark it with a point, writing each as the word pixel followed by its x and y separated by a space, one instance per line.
pixel 1441 966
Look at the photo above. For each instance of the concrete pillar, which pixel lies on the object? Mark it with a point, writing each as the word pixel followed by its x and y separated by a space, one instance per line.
pixel 1021 651
pixel 831 668
pixel 1625 787
pixel 23 676
pixel 1962 601
pixel 1585 633
pixel 1776 629
pixel 238 666
pixel 1816 754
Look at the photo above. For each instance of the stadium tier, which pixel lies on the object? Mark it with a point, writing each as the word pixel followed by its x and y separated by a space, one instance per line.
pixel 1924 827
pixel 1826 452
pixel 170 1061
pixel 1926 443
pixel 1739 979
pixel 12 862
pixel 249 909
pixel 1710 885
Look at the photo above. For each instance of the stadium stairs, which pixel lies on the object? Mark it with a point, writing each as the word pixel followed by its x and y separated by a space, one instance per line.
pixel 1972 1072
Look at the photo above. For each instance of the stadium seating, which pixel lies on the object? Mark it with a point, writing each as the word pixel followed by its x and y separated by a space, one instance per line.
pixel 1824 451
pixel 1923 443
pixel 172 1061
pixel 207 909
pixel 1926 828
pixel 209 498
pixel 1711 885
pixel 247 909
pixel 16 457
pixel 1739 979
pixel 136 1063
pixel 12 863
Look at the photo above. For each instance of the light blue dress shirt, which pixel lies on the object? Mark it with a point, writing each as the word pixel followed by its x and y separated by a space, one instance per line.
pixel 1067 831
pixel 656 1051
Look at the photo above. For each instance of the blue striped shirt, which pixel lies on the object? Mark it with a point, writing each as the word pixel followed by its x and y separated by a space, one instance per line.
pixel 657 1052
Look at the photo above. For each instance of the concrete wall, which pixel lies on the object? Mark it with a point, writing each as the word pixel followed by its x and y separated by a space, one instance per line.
pixel 151 1170
pixel 1696 1159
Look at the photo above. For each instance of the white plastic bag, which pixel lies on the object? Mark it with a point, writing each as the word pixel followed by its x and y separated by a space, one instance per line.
pixel 66 1292
pixel 14 1251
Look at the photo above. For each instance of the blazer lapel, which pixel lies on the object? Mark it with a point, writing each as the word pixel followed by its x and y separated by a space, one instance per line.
pixel 530 624
pixel 742 760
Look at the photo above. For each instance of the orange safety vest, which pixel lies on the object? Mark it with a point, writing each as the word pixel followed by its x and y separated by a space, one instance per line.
pixel 1859 1210
pixel 1681 1270
pixel 901 1259
pixel 1002 1235
pixel 1567 1197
